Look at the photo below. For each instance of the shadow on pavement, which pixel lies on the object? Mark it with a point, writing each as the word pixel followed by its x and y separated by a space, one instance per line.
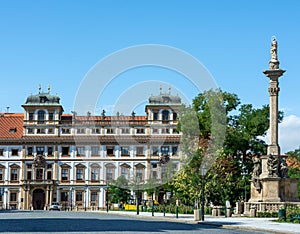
pixel 93 225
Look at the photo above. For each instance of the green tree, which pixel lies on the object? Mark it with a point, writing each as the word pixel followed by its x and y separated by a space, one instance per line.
pixel 242 127
pixel 118 191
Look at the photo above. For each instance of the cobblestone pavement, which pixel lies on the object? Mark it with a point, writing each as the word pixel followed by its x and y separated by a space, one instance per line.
pixel 97 222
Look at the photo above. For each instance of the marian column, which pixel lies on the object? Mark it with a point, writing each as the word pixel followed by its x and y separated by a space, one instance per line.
pixel 273 74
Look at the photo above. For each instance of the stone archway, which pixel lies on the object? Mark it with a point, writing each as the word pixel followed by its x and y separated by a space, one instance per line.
pixel 38 199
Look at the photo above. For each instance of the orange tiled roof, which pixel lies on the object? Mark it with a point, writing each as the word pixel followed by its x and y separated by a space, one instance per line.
pixel 11 125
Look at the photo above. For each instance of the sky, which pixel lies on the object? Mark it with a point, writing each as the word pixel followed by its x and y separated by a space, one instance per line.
pixel 61 42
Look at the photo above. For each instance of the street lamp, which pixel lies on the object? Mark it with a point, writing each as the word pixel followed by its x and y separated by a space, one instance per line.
pixel 203 173
pixel 71 197
pixel 85 197
pixel 244 173
pixel 137 197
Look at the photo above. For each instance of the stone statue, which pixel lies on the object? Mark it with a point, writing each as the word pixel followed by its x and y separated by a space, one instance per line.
pixel 273 165
pixel 274 50
pixel 283 168
pixel 256 167
pixel 274 63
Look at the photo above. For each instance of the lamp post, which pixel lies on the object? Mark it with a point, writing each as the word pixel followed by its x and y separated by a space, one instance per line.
pixel 244 173
pixel 137 196
pixel 71 197
pixel 203 173
pixel 85 196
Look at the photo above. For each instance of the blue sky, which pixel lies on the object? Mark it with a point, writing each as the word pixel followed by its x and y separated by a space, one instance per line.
pixel 58 42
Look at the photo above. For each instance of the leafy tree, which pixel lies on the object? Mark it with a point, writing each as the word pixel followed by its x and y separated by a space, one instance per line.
pixel 242 127
pixel 118 191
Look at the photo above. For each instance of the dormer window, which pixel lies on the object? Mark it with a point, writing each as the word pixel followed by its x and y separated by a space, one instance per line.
pixel 12 130
pixel 42 99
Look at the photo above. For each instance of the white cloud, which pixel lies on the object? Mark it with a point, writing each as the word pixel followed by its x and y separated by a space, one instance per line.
pixel 289 134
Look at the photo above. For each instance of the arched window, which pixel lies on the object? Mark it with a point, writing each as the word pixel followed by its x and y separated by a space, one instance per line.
pixel 125 170
pixel 165 115
pixel 110 171
pixel 41 115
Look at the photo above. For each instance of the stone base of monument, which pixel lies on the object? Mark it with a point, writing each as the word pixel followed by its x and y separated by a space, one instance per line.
pixel 275 190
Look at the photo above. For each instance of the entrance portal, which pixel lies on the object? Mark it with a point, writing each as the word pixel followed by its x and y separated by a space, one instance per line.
pixel 38 199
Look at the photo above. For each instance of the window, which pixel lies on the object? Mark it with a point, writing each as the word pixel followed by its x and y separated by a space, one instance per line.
pixel 80 130
pixel 95 150
pixel 14 152
pixel 50 151
pixel 64 174
pixel 65 150
pixel 95 174
pixel 29 166
pixel 155 130
pixel 94 196
pixel 50 131
pixel 13 197
pixel 80 151
pixel 64 196
pixel 65 131
pixel 1 174
pixel 165 150
pixel 51 116
pixel 174 150
pixel 40 150
pixel 125 171
pixel 40 131
pixel 125 151
pixel 79 174
pixel 140 150
pixel 174 116
pixel 39 174
pixel 29 175
pixel 155 150
pixel 1 152
pixel 30 116
pixel 41 116
pixel 30 130
pixel 96 130
pixel 49 166
pixel 139 172
pixel 175 131
pixel 110 131
pixel 110 150
pixel 14 174
pixel 165 115
pixel 49 175
pixel 140 131
pixel 79 197
pixel 12 130
pixel 125 130
pixel 110 170
pixel 155 116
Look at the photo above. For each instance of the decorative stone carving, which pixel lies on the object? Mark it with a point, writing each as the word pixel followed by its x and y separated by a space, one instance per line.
pixel 256 173
pixel 273 165
pixel 283 171
pixel 273 91
pixel 39 161
pixel 256 167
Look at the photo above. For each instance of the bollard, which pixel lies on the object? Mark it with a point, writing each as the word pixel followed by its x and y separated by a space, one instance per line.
pixel 176 211
pixel 152 209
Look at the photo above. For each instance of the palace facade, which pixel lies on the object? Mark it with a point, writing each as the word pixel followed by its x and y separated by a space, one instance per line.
pixel 48 156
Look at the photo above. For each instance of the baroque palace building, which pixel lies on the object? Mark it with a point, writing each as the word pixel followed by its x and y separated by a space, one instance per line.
pixel 47 156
